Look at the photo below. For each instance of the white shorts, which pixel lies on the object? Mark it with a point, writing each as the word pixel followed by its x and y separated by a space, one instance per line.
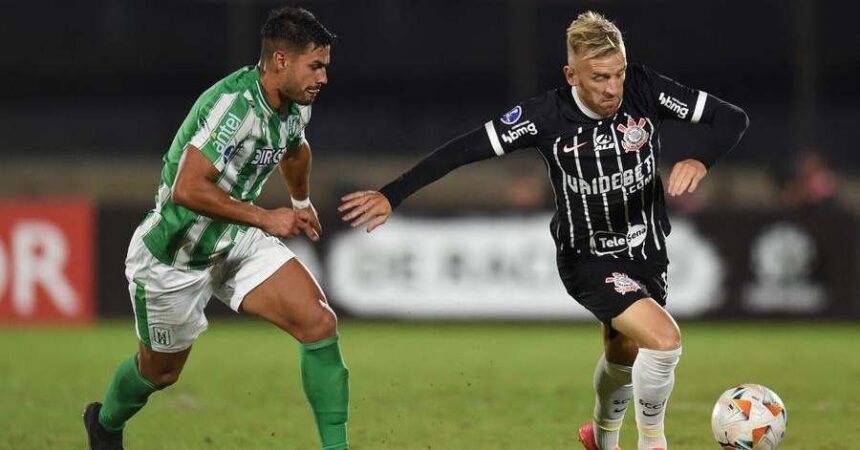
pixel 168 302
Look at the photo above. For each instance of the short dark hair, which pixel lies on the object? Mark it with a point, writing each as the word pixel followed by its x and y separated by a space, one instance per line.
pixel 290 28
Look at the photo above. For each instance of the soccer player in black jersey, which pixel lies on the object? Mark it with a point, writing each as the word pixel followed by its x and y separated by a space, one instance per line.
pixel 599 137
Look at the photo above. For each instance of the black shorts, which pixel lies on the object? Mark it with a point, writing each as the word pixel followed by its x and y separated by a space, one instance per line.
pixel 608 287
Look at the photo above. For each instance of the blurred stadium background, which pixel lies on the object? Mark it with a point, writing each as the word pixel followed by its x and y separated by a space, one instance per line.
pixel 765 257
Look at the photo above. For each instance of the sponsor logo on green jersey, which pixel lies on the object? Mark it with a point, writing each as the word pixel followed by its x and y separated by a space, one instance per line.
pixel 227 130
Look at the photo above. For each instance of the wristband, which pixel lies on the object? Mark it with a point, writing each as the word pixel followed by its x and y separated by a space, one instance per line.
pixel 301 204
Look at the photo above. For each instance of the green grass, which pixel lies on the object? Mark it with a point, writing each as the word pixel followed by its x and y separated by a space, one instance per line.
pixel 422 386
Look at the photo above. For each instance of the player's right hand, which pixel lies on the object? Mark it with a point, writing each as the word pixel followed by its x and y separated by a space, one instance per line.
pixel 288 223
pixel 361 207
pixel 686 176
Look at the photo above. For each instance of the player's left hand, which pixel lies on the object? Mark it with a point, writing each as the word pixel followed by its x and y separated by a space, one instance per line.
pixel 314 221
pixel 686 176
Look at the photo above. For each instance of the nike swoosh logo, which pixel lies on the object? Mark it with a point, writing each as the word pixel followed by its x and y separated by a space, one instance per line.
pixel 650 415
pixel 570 149
pixel 620 410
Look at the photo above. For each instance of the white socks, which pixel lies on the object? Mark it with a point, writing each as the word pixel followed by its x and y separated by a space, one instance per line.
pixel 612 384
pixel 653 379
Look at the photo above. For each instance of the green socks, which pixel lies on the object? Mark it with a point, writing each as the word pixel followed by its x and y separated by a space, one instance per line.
pixel 125 396
pixel 325 379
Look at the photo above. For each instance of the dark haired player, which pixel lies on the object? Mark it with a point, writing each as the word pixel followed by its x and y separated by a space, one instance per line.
pixel 600 139
pixel 206 237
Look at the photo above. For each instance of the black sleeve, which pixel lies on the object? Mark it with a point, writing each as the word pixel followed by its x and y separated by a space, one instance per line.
pixel 670 99
pixel 674 101
pixel 727 125
pixel 517 129
pixel 468 148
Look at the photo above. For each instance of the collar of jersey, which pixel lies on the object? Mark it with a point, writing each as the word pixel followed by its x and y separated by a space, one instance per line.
pixel 585 110
pixel 260 92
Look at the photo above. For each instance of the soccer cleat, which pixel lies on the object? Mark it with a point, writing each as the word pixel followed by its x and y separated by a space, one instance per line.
pixel 586 437
pixel 98 437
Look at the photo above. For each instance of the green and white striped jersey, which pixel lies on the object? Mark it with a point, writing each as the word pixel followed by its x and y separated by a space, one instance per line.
pixel 236 129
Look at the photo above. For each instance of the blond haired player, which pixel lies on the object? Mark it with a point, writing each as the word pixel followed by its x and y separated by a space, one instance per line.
pixel 599 137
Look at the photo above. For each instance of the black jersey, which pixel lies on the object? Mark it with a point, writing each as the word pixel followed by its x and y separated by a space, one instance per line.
pixel 604 172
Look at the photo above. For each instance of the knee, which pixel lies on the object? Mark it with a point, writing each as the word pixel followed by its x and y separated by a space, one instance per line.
pixel 161 377
pixel 668 338
pixel 166 379
pixel 317 328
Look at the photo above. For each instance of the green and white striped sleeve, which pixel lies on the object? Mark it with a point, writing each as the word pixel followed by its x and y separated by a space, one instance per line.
pixel 221 127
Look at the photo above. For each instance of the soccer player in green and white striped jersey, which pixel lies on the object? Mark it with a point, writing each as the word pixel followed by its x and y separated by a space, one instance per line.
pixel 206 236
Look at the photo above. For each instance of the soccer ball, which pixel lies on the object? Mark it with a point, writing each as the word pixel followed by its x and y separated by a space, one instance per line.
pixel 749 417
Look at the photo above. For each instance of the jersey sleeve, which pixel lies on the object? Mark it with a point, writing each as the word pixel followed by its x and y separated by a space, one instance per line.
pixel 221 126
pixel 673 100
pixel 518 128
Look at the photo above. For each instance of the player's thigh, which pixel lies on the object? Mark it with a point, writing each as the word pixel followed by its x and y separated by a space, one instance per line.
pixel 646 321
pixel 168 303
pixel 264 278
pixel 621 293
pixel 649 325
pixel 606 288
pixel 292 300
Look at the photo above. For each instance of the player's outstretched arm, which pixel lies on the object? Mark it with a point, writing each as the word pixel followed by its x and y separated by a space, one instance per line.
pixel 362 207
pixel 375 207
pixel 295 167
pixel 195 189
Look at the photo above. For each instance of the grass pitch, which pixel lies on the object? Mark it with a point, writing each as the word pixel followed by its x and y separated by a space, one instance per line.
pixel 422 386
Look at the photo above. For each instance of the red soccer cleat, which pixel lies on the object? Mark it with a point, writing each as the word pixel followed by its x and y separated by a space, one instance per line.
pixel 586 436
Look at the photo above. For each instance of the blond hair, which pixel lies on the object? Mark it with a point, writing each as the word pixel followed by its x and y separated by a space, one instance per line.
pixel 593 36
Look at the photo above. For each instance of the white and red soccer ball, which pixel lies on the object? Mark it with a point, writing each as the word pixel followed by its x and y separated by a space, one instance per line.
pixel 749 417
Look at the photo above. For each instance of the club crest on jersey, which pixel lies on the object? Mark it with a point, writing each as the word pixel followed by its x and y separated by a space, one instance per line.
pixel 293 125
pixel 513 116
pixel 635 135
pixel 623 283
